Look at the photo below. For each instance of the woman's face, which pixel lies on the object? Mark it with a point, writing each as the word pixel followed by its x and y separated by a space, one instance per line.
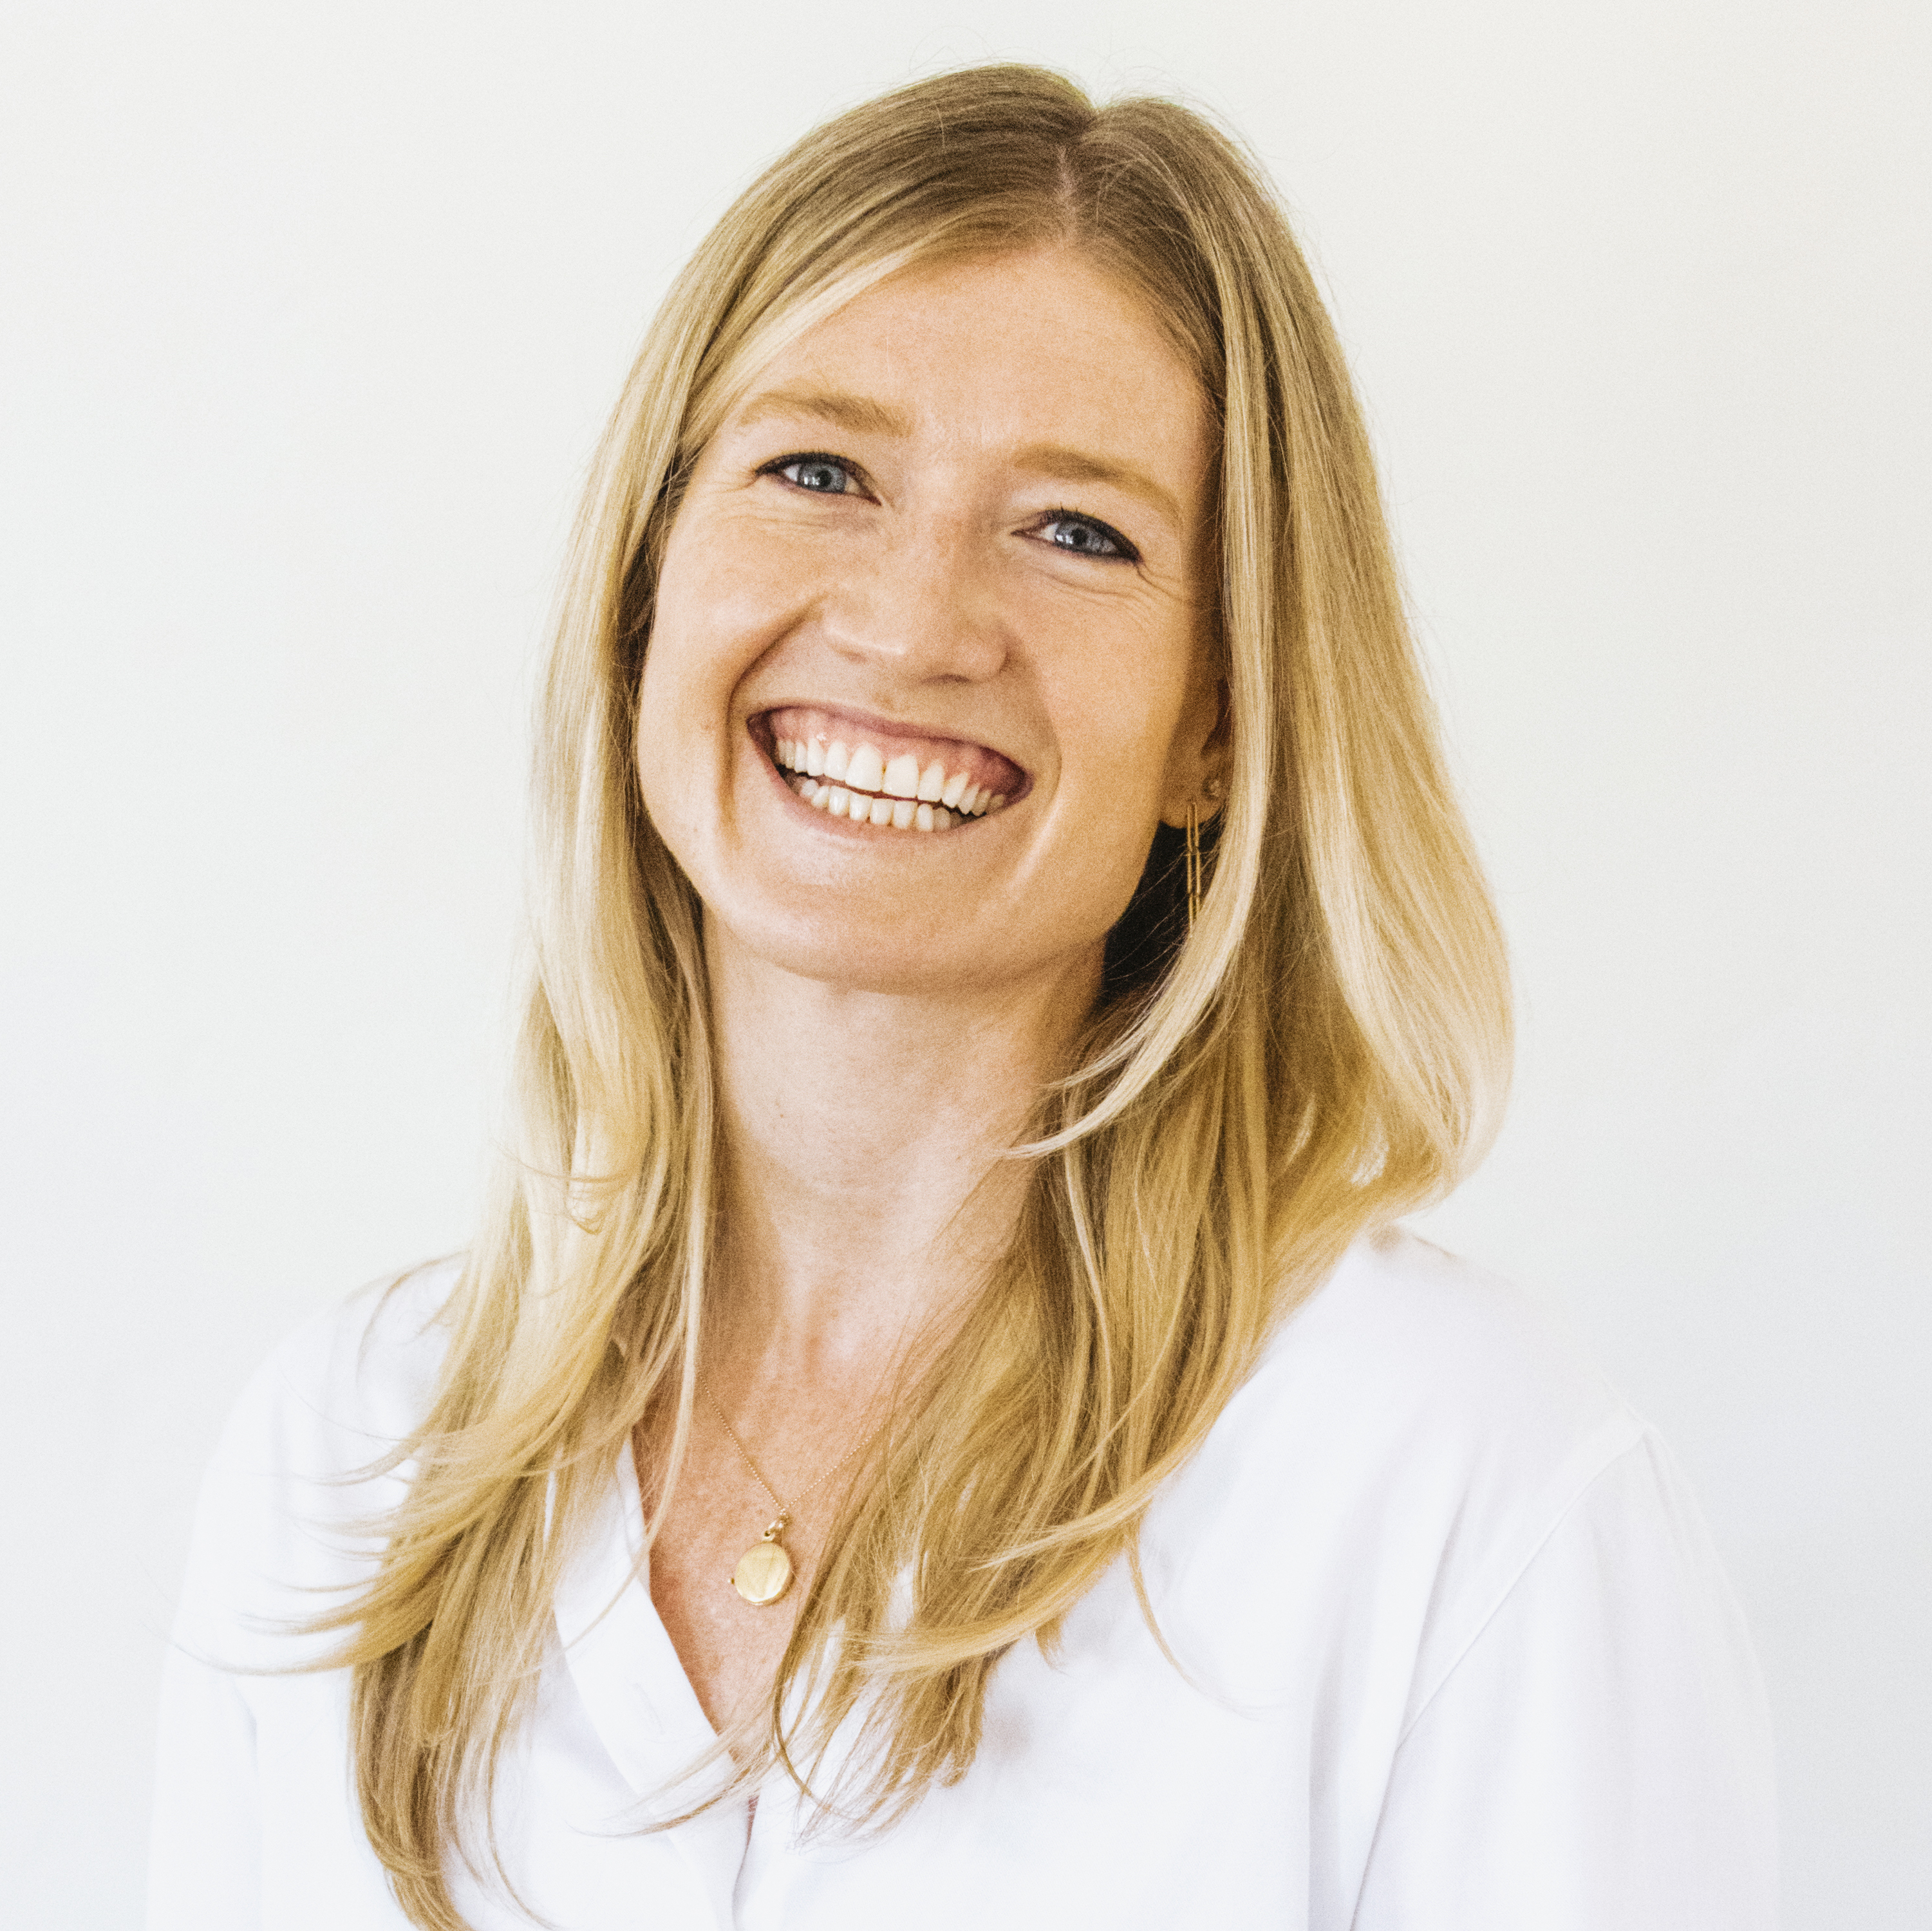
pixel 931 654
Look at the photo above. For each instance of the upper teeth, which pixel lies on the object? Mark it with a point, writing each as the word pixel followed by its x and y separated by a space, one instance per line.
pixel 859 783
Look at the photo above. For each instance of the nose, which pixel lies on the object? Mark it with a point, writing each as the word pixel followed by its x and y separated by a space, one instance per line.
pixel 923 603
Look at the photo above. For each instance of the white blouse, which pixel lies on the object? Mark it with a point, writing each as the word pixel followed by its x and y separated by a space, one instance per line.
pixel 1458 1657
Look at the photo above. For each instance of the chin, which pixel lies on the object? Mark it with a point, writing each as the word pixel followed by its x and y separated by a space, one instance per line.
pixel 845 951
pixel 852 948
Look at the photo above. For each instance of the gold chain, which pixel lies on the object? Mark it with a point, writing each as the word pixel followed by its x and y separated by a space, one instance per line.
pixel 785 1511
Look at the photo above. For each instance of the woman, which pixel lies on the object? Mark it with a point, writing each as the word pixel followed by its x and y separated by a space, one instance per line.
pixel 939 1425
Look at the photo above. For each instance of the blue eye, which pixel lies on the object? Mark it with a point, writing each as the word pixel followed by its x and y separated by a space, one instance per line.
pixel 1087 536
pixel 820 474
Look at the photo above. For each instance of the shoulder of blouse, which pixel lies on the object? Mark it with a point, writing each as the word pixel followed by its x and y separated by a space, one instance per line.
pixel 350 1383
pixel 1415 1343
pixel 290 1516
pixel 1414 1434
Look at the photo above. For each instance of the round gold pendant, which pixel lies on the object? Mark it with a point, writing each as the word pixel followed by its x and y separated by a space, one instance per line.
pixel 764 1573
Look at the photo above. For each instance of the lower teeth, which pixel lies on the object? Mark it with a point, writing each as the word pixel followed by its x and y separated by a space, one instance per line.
pixel 902 814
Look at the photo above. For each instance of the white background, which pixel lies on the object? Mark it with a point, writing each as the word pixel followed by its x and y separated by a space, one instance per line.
pixel 312 315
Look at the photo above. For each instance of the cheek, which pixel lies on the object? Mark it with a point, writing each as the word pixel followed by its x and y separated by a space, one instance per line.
pixel 711 592
pixel 1117 703
pixel 720 601
pixel 1116 728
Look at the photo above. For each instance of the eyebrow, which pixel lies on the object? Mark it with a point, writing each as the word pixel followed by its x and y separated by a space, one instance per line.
pixel 859 414
pixel 1076 466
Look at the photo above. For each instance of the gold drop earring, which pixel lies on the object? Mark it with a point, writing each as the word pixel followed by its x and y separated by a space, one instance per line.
pixel 1193 864
pixel 1212 790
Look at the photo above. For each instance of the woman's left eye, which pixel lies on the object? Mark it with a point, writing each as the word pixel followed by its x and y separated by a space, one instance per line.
pixel 822 475
pixel 1088 536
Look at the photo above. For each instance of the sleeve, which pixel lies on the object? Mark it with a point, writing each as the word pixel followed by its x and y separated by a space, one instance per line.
pixel 204 1850
pixel 1598 1758
pixel 254 1802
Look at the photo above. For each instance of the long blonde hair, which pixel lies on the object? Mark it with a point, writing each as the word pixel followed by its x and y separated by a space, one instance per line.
pixel 1326 1048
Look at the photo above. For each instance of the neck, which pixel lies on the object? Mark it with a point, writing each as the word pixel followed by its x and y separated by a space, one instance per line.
pixel 864 1193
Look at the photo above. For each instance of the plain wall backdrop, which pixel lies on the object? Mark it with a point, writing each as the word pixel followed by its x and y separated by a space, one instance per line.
pixel 312 315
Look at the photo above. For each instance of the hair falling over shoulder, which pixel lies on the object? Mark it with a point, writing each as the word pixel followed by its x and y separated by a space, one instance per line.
pixel 1326 1048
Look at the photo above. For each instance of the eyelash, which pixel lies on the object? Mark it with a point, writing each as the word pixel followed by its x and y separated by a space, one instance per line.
pixel 779 465
pixel 1124 551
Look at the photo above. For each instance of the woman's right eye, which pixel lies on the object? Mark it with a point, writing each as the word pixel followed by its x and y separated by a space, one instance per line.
pixel 824 475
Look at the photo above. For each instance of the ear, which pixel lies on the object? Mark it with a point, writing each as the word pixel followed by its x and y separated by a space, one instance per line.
pixel 1202 751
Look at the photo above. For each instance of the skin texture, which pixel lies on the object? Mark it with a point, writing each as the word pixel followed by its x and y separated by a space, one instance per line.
pixel 888 1003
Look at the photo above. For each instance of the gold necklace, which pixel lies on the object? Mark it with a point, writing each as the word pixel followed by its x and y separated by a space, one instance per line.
pixel 764 1571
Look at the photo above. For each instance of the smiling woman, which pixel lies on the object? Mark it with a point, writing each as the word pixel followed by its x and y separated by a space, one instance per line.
pixel 939 1423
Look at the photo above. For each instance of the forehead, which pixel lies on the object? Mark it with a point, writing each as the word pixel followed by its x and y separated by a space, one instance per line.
pixel 1001 351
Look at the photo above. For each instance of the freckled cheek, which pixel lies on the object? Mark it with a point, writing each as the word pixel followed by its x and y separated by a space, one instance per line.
pixel 1116 700
pixel 723 598
pixel 713 623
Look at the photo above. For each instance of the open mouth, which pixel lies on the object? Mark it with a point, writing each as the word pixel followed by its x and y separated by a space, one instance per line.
pixel 901 781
